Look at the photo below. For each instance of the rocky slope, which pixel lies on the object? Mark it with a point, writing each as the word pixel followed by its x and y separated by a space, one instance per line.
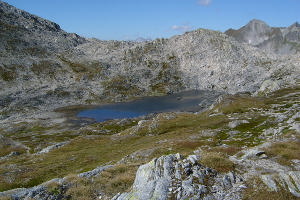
pixel 282 40
pixel 42 67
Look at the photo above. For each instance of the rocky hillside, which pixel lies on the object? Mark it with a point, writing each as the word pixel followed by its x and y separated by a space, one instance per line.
pixel 42 67
pixel 282 40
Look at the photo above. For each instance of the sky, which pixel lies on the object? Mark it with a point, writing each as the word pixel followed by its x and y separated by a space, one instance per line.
pixel 150 19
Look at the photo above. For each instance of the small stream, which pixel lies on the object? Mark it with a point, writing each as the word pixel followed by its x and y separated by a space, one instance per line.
pixel 188 101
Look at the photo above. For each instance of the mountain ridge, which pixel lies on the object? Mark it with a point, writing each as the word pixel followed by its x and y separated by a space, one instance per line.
pixel 281 40
pixel 51 68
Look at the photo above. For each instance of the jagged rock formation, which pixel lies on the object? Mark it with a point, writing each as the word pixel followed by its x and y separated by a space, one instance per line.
pixel 285 40
pixel 173 177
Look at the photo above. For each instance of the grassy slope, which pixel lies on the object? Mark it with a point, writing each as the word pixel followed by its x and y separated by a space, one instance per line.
pixel 166 133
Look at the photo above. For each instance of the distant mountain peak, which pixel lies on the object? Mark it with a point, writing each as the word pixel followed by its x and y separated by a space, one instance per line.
pixel 284 40
pixel 257 21
pixel 257 25
pixel 296 24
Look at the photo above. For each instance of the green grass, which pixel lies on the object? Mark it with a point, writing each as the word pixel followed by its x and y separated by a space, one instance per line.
pixel 7 146
pixel 218 161
pixel 180 133
pixel 89 70
pixel 111 181
pixel 183 123
pixel 39 136
pixel 117 179
pixel 8 73
pixel 85 153
pixel 113 126
pixel 5 198
pixel 81 154
pixel 227 151
pixel 159 89
pixel 54 188
pixel 46 68
pixel 240 104
pixel 257 190
pixel 284 152
pixel 80 188
pixel 122 86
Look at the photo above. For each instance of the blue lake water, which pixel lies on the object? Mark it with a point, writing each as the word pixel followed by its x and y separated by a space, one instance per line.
pixel 189 101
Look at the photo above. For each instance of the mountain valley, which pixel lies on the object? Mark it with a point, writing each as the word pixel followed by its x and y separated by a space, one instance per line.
pixel 241 144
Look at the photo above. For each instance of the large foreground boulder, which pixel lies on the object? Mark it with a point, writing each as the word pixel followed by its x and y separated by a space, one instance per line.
pixel 175 177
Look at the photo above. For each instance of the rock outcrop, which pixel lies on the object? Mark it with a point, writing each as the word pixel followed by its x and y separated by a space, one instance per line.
pixel 176 177
pixel 38 192
pixel 51 190
pixel 289 180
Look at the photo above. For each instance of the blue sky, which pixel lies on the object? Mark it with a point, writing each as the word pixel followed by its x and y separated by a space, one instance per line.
pixel 131 19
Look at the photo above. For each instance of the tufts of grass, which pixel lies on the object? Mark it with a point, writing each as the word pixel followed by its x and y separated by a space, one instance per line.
pixel 80 192
pixel 162 151
pixel 183 123
pixel 117 179
pixel 228 151
pixel 257 190
pixel 187 147
pixel 89 70
pixel 7 146
pixel 45 67
pixel 159 89
pixel 35 51
pixel 284 152
pixel 254 124
pixel 239 104
pixel 80 188
pixel 54 188
pixel 8 73
pixel 218 161
pixel 37 136
pixel 82 154
pixel 121 85
pixel 189 144
pixel 111 181
pixel 5 198
pixel 6 149
pixel 114 126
